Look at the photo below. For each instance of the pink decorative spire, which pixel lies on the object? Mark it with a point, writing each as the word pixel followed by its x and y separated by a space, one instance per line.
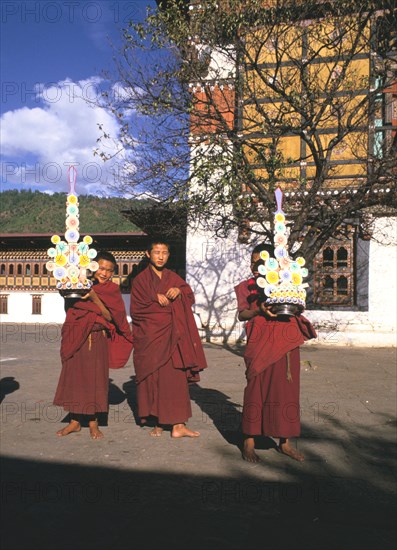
pixel 279 200
pixel 72 174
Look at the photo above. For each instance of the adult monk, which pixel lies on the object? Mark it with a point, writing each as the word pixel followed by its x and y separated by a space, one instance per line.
pixel 272 358
pixel 168 353
pixel 95 336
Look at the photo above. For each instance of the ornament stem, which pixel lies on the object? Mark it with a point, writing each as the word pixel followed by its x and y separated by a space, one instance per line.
pixel 72 174
pixel 279 200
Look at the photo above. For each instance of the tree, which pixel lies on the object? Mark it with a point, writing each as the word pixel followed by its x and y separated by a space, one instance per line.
pixel 231 98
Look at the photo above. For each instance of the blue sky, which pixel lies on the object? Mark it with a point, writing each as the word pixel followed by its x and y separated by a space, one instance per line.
pixel 53 57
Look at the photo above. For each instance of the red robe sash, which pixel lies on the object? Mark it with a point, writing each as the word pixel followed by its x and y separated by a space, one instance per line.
pixel 81 317
pixel 158 331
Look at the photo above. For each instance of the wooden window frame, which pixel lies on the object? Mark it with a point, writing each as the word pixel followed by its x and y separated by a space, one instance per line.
pixel 339 269
pixel 36 304
pixel 3 304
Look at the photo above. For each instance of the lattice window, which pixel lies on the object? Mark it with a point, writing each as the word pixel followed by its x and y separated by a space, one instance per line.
pixel 384 119
pixel 328 257
pixel 36 304
pixel 3 304
pixel 334 273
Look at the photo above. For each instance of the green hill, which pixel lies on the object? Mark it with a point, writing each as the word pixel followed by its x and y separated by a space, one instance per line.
pixel 35 212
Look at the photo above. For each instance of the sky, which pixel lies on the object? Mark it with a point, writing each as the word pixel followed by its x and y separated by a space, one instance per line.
pixel 54 55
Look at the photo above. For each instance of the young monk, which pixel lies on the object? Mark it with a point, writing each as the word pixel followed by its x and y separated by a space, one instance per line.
pixel 271 397
pixel 95 336
pixel 168 353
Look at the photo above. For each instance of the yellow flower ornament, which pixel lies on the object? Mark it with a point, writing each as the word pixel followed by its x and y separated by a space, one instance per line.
pixel 272 277
pixel 70 258
pixel 72 199
pixel 264 255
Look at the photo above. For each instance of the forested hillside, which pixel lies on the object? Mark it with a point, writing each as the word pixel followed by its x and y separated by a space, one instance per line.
pixel 35 212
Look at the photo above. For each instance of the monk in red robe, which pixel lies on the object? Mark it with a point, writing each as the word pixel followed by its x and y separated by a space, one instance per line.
pixel 168 353
pixel 95 336
pixel 272 358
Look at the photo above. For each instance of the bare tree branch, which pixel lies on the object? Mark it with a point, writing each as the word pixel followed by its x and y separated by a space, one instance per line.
pixel 224 102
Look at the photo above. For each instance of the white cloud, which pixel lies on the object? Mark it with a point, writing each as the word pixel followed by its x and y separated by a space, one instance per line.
pixel 39 144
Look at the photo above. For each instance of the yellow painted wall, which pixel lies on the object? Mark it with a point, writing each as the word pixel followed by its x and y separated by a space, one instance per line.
pixel 258 118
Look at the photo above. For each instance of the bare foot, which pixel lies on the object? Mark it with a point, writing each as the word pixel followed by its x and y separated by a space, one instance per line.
pixel 95 433
pixel 286 449
pixel 156 432
pixel 248 452
pixel 181 430
pixel 73 426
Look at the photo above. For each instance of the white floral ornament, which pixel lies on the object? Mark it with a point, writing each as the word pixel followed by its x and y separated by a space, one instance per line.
pixel 281 277
pixel 69 258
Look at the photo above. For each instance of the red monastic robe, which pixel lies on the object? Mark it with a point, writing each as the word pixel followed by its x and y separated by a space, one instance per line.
pixel 272 358
pixel 89 346
pixel 168 352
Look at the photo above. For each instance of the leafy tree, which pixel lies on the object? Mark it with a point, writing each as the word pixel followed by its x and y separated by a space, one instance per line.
pixel 224 100
pixel 35 212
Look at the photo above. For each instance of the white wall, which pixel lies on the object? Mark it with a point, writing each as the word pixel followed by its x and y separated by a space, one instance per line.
pixel 215 266
pixel 377 326
pixel 20 308
pixel 383 274
pixel 52 308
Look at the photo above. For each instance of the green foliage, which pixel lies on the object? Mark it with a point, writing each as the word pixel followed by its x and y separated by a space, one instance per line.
pixel 35 212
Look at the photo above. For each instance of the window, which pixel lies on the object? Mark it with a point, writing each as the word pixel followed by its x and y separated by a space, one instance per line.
pixel 36 269
pixel 3 269
pixel 379 112
pixel 27 269
pixel 341 257
pixel 45 269
pixel 328 257
pixel 19 269
pixel 342 286
pixel 383 118
pixel 36 304
pixel 11 269
pixel 333 281
pixel 3 304
pixel 125 269
pixel 328 286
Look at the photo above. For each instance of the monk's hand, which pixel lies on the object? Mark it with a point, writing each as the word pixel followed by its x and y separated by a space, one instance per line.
pixel 266 310
pixel 91 295
pixel 163 300
pixel 173 293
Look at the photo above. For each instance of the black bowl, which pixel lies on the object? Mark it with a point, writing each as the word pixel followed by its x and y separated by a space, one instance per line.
pixel 286 309
pixel 73 293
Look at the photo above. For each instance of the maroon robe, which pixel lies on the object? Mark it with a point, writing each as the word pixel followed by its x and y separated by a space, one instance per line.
pixel 272 358
pixel 168 352
pixel 89 346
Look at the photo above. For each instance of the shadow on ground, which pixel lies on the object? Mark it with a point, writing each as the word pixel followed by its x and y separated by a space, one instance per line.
pixel 8 385
pixel 47 505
